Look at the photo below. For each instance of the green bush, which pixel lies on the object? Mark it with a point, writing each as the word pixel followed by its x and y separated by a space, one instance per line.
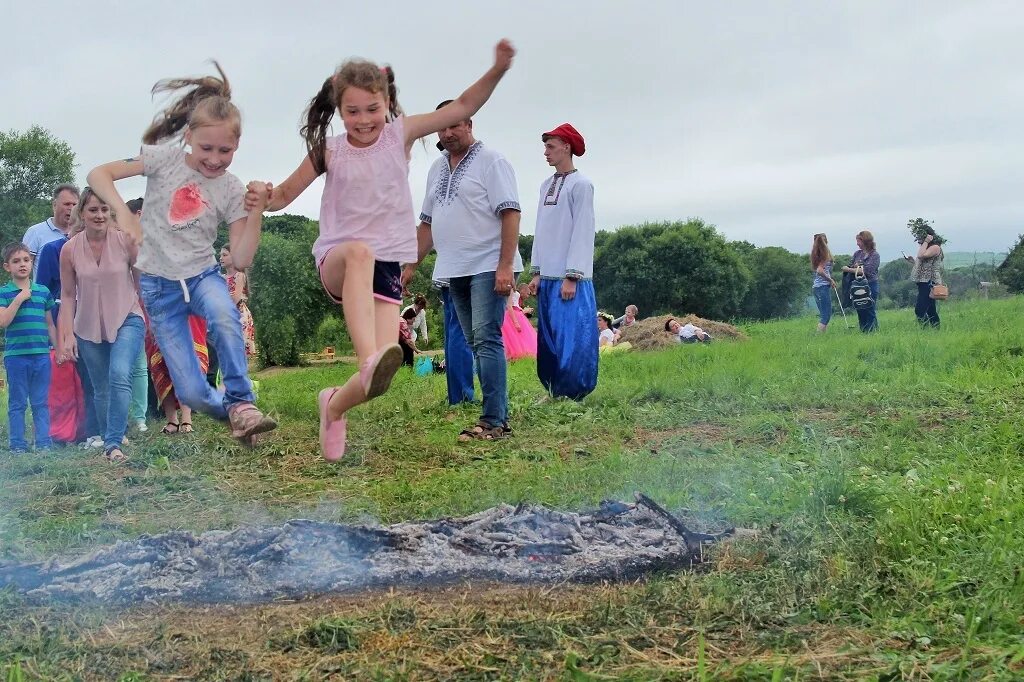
pixel 287 300
pixel 333 332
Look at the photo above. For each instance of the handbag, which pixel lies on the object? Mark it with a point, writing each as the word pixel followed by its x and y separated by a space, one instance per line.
pixel 939 292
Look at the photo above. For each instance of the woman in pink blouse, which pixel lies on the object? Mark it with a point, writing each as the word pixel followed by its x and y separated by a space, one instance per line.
pixel 100 318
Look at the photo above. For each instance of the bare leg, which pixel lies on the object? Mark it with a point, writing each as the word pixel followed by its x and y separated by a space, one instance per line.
pixel 348 269
pixel 170 408
pixel 186 418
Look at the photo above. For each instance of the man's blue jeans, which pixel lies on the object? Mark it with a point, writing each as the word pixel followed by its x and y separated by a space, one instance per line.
pixel 110 368
pixel 28 377
pixel 169 308
pixel 458 356
pixel 481 312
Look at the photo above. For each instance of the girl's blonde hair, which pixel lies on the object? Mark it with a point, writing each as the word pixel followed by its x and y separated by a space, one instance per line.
pixel 206 101
pixel 819 251
pixel 77 224
pixel 355 73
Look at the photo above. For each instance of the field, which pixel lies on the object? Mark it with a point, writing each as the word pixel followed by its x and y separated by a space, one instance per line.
pixel 883 473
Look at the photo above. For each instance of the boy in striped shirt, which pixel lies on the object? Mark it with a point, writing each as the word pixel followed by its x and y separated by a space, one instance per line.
pixel 28 335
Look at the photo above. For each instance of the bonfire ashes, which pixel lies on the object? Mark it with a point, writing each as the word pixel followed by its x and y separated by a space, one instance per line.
pixel 525 544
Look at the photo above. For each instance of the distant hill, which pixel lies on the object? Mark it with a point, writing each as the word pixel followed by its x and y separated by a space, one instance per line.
pixel 959 259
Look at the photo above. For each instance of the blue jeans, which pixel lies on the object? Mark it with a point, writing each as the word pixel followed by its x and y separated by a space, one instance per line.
pixel 29 379
pixel 110 368
pixel 140 386
pixel 823 299
pixel 458 356
pixel 481 312
pixel 168 309
pixel 868 317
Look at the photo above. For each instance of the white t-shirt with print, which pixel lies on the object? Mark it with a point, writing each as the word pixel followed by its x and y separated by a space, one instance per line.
pixel 181 212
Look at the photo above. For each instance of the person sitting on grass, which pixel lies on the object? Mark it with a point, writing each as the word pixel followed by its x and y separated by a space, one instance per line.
pixel 628 318
pixel 606 335
pixel 686 333
pixel 405 336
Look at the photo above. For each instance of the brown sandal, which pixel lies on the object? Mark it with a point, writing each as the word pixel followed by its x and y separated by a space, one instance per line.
pixel 185 427
pixel 167 428
pixel 115 456
pixel 483 431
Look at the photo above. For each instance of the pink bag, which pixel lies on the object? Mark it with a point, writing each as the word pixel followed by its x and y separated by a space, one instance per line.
pixel 66 401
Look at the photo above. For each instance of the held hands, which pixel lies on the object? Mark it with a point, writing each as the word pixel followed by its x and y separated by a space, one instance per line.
pixel 258 195
pixel 407 272
pixel 569 289
pixel 69 350
pixel 503 54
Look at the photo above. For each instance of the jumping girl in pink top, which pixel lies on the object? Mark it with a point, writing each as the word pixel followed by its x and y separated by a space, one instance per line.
pixel 367 223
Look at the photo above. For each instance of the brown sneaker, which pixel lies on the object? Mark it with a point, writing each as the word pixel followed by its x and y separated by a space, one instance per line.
pixel 246 421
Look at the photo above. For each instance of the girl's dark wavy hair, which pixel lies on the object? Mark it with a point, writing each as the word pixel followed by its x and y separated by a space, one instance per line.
pixel 356 73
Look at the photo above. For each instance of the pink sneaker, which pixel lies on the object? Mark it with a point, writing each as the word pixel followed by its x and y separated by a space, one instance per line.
pixel 246 421
pixel 379 369
pixel 332 433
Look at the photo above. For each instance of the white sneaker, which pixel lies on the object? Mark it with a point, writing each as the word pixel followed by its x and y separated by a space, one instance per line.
pixel 140 425
pixel 93 442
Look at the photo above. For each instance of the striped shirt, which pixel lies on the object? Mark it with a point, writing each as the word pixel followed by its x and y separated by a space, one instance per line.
pixel 28 333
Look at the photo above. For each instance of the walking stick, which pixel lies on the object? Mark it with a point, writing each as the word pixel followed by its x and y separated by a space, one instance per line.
pixel 841 309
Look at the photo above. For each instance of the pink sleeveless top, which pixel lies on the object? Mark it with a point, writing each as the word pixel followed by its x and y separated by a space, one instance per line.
pixel 367 197
pixel 106 291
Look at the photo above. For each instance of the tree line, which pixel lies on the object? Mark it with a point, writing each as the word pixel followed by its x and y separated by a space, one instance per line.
pixel 667 267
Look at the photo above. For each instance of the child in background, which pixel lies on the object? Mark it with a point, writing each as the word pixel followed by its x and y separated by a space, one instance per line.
pixel 28 334
pixel 519 335
pixel 188 194
pixel 367 223
pixel 822 284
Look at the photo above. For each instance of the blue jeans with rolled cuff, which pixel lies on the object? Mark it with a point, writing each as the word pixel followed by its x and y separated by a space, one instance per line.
pixel 169 302
pixel 481 311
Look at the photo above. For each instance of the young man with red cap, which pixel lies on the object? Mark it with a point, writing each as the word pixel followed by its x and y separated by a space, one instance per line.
pixel 562 266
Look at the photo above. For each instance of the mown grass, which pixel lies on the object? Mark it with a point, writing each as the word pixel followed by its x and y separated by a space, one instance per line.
pixel 883 471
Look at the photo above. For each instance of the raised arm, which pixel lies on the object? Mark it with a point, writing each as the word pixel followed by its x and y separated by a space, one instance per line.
pixel 466 104
pixel 102 179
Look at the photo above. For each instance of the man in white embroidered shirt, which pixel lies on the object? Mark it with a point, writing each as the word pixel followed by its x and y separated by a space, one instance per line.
pixel 562 266
pixel 471 216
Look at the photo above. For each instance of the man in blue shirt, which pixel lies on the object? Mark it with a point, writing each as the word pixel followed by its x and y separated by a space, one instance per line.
pixel 65 197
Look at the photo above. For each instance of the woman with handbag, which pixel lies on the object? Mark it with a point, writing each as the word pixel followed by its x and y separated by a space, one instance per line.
pixel 927 273
pixel 865 262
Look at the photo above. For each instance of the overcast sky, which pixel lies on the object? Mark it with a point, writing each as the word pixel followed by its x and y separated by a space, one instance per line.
pixel 772 120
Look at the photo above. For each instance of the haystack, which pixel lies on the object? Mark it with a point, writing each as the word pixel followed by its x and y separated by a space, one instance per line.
pixel 650 334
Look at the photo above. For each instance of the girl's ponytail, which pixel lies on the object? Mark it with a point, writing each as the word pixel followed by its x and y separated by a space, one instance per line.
pixel 318 118
pixel 212 93
pixel 394 110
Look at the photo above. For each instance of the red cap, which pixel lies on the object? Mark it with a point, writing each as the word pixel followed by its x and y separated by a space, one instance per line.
pixel 570 135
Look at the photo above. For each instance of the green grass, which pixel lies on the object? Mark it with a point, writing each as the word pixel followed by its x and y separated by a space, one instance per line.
pixel 884 473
